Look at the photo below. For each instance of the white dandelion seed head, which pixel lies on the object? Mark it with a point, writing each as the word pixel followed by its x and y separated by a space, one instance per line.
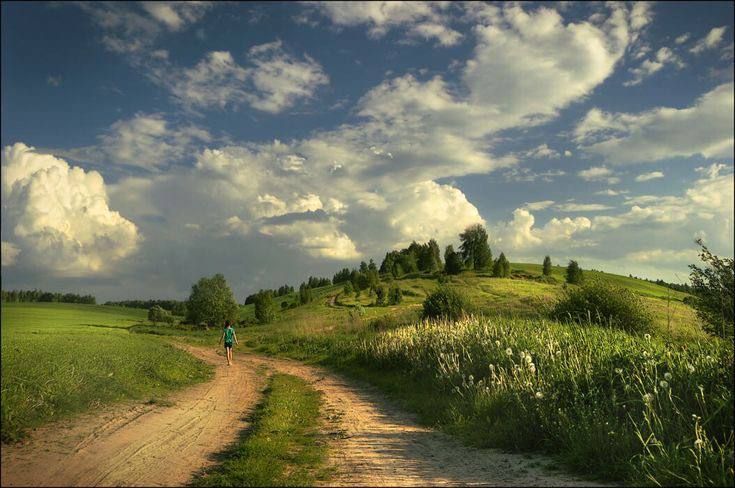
pixel 647 336
pixel 618 370
pixel 691 368
pixel 664 384
pixel 698 443
pixel 667 376
pixel 529 359
pixel 648 397
pixel 497 343
pixel 509 351
pixel 523 355
pixel 539 395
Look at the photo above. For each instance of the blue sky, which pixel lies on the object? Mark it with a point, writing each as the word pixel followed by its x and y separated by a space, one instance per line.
pixel 148 144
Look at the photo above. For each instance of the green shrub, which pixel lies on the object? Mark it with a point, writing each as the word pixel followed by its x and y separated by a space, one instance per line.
pixel 265 309
pixel 380 295
pixel 601 303
pixel 446 303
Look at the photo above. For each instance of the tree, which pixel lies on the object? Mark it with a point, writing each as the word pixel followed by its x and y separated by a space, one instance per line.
pixel 304 294
pixel 436 252
pixel 547 266
pixel 475 248
pixel 211 301
pixel 265 307
pixel 380 295
pixel 395 296
pixel 348 290
pixel 574 273
pixel 713 291
pixel 452 261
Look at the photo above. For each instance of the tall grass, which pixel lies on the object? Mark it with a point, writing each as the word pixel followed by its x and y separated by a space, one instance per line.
pixel 608 403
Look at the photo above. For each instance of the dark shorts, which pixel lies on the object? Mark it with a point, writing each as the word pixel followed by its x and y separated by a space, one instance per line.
pixel 228 345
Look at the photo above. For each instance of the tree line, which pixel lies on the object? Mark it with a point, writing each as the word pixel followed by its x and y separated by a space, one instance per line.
pixel 18 296
pixel 175 307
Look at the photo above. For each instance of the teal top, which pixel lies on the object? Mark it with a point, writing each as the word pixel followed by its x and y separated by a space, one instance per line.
pixel 229 334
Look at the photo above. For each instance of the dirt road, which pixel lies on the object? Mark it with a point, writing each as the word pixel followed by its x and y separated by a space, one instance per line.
pixel 372 442
pixel 144 445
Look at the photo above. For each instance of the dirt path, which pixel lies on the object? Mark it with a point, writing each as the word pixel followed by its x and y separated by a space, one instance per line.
pixel 372 442
pixel 144 445
pixel 376 444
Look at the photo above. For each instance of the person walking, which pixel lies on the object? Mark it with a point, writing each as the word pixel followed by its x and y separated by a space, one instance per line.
pixel 228 336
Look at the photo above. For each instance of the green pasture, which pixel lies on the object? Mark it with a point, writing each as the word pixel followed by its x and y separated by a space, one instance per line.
pixel 59 359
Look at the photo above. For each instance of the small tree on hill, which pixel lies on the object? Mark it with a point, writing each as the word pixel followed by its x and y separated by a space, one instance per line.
pixel 475 248
pixel 547 266
pixel 574 273
pixel 157 314
pixel 304 294
pixel 265 307
pixel 380 295
pixel 211 301
pixel 501 267
pixel 395 296
pixel 713 291
pixel 348 290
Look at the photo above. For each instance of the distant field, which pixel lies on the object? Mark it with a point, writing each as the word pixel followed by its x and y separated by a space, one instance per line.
pixel 64 358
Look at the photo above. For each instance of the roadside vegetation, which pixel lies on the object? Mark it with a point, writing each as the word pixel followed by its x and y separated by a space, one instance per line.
pixel 283 445
pixel 59 359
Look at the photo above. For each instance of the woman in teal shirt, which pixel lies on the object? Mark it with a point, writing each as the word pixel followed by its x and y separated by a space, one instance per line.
pixel 228 336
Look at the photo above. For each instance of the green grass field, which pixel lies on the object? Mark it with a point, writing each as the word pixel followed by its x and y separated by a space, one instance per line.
pixel 59 359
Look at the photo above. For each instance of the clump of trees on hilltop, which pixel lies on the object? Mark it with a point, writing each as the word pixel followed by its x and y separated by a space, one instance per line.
pixel 415 258
pixel 25 296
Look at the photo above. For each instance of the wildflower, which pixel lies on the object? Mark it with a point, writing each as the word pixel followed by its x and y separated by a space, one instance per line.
pixel 708 358
pixel 539 395
pixel 667 376
pixel 509 351
pixel 645 354
pixel 691 368
pixel 497 343
pixel 523 355
pixel 529 359
pixel 647 336
pixel 648 398
pixel 492 368
pixel 698 443
pixel 619 370
pixel 532 367
pixel 664 384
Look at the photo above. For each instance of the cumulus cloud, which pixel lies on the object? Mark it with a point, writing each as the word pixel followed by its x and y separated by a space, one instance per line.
pixel 145 140
pixel 60 215
pixel 649 67
pixel 649 176
pixel 611 193
pixel 704 128
pixel 520 234
pixel 319 239
pixel 683 38
pixel 599 173
pixel 659 256
pixel 10 253
pixel 426 20
pixel 543 204
pixel 581 207
pixel 710 41
pixel 272 80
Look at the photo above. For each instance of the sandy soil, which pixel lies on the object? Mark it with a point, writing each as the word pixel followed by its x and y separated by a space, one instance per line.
pixel 372 442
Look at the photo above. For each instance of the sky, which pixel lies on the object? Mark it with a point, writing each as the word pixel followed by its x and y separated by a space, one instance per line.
pixel 145 145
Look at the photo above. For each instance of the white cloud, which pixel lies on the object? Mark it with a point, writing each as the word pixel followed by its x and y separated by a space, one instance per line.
pixel 704 128
pixel 319 239
pixel 568 153
pixel 145 140
pixel 660 256
pixel 599 173
pixel 271 81
pixel 60 215
pixel 710 41
pixel 127 30
pixel 527 175
pixel 542 151
pixel 520 234
pixel 10 253
pixel 54 80
pixel 427 20
pixel 541 205
pixel 683 38
pixel 649 176
pixel 648 67
pixel 611 193
pixel 581 207
pixel 430 210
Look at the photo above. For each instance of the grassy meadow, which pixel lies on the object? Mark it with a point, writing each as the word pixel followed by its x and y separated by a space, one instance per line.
pixel 653 410
pixel 59 359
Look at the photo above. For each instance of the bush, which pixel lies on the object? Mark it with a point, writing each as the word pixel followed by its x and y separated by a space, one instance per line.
pixel 158 314
pixel 446 303
pixel 604 304
pixel 713 292
pixel 574 273
pixel 284 305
